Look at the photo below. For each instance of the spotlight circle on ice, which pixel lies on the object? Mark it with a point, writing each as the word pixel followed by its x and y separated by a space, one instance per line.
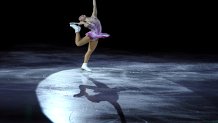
pixel 56 95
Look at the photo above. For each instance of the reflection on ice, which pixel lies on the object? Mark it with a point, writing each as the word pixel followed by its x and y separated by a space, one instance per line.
pixel 71 96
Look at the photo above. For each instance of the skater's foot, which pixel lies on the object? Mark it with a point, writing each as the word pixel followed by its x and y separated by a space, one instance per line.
pixel 85 67
pixel 75 27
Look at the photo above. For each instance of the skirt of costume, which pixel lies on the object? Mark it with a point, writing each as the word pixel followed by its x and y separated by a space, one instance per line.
pixel 94 36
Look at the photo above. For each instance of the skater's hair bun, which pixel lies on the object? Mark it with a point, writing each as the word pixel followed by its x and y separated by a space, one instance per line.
pixel 82 17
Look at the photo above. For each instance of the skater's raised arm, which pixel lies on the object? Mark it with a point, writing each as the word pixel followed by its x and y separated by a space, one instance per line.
pixel 94 13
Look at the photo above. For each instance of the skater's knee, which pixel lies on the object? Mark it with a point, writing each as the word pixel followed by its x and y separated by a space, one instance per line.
pixel 78 44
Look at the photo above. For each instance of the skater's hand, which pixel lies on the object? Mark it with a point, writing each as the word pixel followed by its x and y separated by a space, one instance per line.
pixel 81 23
pixel 84 23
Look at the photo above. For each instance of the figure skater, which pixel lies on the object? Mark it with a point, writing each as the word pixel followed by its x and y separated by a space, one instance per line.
pixel 91 37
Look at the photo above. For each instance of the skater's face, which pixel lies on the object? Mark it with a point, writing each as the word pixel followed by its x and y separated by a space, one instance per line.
pixel 82 18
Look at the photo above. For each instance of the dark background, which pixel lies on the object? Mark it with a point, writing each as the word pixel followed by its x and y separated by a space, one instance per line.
pixel 158 26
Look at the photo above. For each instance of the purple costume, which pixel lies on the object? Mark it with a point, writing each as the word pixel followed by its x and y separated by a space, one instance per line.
pixel 95 29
